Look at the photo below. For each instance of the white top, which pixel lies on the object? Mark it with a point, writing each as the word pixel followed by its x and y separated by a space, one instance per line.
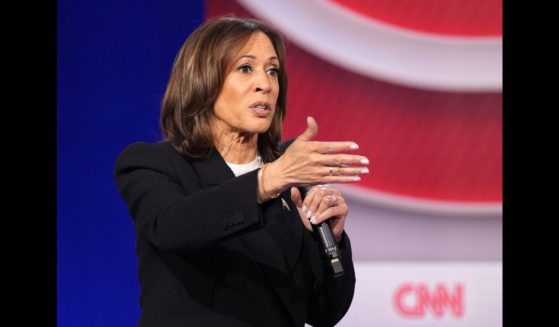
pixel 239 169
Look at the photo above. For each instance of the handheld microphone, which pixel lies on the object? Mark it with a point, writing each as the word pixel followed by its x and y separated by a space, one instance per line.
pixel 329 250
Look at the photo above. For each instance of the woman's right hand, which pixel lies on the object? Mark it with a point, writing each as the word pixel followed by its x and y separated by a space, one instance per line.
pixel 307 162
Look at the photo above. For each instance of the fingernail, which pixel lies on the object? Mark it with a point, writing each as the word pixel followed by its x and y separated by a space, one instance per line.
pixel 364 161
pixel 356 178
pixel 354 146
pixel 304 208
pixel 313 220
pixel 309 214
pixel 364 171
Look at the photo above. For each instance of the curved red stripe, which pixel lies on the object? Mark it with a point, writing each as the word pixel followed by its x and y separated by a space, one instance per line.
pixel 427 144
pixel 451 17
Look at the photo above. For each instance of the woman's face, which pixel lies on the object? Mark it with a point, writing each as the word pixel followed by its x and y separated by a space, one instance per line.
pixel 247 100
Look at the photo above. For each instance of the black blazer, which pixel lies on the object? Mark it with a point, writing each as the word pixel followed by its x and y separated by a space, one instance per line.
pixel 210 255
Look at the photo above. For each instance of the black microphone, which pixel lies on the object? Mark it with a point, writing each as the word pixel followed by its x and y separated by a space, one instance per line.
pixel 322 234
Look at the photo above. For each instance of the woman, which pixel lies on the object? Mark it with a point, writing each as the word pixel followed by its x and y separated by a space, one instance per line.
pixel 223 234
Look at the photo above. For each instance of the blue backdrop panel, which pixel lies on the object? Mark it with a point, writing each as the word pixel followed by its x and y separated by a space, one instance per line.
pixel 114 58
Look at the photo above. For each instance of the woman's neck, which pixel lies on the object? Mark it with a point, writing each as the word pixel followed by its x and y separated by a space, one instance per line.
pixel 236 147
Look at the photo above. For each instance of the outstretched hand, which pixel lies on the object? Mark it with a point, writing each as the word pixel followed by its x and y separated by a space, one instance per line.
pixel 308 162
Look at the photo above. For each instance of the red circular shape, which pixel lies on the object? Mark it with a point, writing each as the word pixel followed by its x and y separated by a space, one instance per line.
pixel 433 145
pixel 449 17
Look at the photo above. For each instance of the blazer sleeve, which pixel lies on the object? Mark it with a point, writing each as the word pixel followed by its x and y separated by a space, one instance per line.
pixel 169 218
pixel 333 296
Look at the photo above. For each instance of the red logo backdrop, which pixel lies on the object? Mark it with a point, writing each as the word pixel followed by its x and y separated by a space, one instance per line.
pixel 424 144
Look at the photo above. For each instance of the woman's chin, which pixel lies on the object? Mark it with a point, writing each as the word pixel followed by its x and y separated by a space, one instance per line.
pixel 260 128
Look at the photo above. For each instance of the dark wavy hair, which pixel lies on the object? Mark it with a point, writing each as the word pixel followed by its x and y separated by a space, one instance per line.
pixel 196 80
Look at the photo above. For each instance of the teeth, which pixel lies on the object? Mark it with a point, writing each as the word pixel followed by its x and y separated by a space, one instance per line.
pixel 260 106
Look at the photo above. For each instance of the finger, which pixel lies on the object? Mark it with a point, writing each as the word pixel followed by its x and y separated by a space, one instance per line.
pixel 339 179
pixel 310 132
pixel 308 198
pixel 305 221
pixel 345 171
pixel 334 147
pixel 327 202
pixel 323 198
pixel 337 211
pixel 314 198
pixel 296 197
pixel 342 159
pixel 312 201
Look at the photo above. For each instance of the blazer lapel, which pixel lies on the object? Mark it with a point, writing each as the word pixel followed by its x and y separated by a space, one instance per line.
pixel 286 219
pixel 277 262
pixel 213 171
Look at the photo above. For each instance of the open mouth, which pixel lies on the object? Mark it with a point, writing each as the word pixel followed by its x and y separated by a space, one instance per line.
pixel 261 106
pixel 261 109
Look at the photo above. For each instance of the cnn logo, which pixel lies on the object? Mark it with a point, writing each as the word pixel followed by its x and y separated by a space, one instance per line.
pixel 415 300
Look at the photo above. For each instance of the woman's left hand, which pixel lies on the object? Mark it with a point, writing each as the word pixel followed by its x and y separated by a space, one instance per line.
pixel 322 202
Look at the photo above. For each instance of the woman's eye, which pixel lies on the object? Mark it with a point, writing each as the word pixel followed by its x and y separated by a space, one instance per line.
pixel 245 69
pixel 273 71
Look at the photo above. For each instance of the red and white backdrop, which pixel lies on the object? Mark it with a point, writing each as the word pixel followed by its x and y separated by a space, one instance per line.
pixel 418 85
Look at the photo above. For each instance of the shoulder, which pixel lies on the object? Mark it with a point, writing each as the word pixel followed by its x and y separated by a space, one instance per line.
pixel 140 154
pixel 145 151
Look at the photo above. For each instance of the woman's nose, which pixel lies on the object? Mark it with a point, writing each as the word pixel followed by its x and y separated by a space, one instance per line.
pixel 263 83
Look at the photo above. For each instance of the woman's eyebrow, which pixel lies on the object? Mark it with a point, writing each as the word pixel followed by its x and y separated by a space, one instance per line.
pixel 254 57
